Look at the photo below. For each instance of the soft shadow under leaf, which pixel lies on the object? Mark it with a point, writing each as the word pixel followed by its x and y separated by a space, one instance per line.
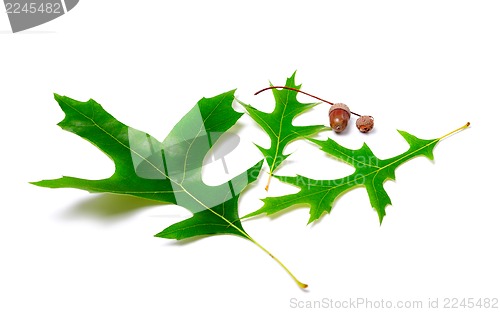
pixel 109 207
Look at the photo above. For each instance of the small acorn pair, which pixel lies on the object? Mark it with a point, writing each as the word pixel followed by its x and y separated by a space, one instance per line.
pixel 339 118
pixel 339 113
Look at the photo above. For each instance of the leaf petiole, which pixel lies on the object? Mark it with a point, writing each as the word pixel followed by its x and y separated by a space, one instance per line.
pixel 299 283
pixel 268 181
pixel 455 131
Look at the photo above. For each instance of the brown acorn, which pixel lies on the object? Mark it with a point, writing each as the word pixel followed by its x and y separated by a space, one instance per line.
pixel 339 117
pixel 365 123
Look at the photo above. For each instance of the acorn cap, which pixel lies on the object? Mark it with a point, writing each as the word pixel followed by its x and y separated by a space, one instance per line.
pixel 365 123
pixel 340 106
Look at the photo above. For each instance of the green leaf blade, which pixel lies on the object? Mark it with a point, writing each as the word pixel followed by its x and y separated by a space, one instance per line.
pixel 221 219
pixel 168 171
pixel 370 173
pixel 278 124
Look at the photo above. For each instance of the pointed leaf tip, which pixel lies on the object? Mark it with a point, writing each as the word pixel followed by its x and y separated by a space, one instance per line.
pixel 381 218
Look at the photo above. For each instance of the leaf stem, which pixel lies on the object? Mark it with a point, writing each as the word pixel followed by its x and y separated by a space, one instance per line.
pixel 297 90
pixel 245 234
pixel 455 131
pixel 269 181
pixel 299 283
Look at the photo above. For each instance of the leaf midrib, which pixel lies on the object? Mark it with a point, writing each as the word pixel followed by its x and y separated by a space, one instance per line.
pixel 196 137
pixel 279 132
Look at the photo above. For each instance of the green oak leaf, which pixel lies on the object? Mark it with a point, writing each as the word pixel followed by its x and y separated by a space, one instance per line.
pixel 278 124
pixel 168 171
pixel 370 172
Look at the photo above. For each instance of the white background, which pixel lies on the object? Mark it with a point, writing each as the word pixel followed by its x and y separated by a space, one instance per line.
pixel 426 67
